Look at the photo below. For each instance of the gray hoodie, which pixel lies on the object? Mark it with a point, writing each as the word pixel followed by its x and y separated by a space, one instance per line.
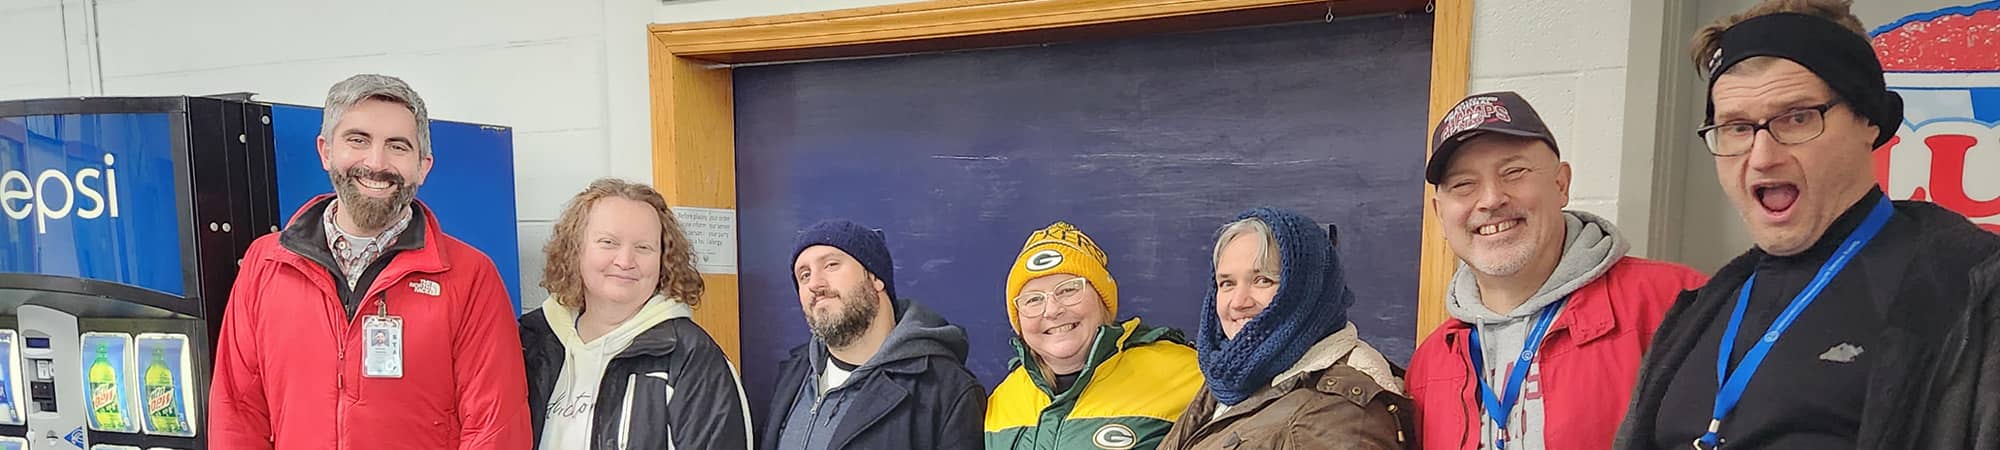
pixel 1590 246
pixel 919 333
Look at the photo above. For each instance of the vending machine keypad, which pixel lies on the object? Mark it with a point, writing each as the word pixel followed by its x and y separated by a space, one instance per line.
pixel 42 385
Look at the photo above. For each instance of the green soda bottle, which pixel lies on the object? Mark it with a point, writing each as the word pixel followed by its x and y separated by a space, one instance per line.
pixel 104 402
pixel 160 407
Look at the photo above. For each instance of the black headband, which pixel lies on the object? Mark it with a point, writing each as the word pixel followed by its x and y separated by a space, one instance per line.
pixel 1839 56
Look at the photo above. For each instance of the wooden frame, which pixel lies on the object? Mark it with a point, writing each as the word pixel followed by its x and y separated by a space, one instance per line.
pixel 694 148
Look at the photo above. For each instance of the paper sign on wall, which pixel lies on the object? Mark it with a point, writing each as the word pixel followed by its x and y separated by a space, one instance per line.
pixel 712 231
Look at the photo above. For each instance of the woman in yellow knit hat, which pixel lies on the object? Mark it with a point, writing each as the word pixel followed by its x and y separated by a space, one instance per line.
pixel 1079 379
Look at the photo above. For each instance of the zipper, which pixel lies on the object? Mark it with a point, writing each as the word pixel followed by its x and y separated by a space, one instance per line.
pixel 625 413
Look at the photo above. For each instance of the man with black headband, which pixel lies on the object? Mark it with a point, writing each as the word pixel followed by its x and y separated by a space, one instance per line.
pixel 1856 322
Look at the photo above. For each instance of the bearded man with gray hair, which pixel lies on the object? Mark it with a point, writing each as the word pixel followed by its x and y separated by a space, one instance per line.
pixel 291 368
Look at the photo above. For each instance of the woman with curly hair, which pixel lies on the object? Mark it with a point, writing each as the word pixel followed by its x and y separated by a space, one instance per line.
pixel 614 359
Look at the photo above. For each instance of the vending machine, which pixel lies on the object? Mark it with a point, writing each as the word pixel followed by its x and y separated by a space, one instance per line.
pixel 124 219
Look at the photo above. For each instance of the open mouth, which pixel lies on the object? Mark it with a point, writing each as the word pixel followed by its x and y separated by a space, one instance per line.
pixel 375 184
pixel 1776 197
pixel 1060 329
pixel 1497 227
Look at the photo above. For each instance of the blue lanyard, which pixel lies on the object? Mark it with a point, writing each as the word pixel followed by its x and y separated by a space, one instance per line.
pixel 1733 382
pixel 1496 408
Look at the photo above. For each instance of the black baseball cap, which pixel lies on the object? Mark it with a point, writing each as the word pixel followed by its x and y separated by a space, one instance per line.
pixel 1503 112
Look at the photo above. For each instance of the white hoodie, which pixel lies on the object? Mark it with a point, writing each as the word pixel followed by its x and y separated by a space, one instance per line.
pixel 573 401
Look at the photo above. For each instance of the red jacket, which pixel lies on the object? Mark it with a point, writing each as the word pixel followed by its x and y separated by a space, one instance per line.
pixel 288 364
pixel 1589 360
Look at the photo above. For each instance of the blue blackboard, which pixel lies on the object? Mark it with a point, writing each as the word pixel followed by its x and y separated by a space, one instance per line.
pixel 1146 144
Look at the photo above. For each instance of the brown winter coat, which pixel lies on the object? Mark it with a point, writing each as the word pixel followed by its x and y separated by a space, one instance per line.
pixel 1334 398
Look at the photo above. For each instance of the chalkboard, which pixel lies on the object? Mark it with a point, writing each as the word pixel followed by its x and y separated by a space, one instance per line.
pixel 1148 145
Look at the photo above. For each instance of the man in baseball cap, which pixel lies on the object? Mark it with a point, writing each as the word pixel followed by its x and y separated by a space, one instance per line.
pixel 1533 280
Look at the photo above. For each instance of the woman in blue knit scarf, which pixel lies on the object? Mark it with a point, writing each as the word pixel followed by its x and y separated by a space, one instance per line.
pixel 1284 367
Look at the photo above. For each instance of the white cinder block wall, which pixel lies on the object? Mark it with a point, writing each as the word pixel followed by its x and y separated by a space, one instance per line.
pixel 1568 59
pixel 546 68
pixel 570 76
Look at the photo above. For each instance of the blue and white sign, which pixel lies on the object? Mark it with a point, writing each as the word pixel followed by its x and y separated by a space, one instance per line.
pixel 91 196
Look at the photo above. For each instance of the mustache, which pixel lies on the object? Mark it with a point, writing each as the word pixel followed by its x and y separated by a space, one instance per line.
pixel 362 173
pixel 1496 216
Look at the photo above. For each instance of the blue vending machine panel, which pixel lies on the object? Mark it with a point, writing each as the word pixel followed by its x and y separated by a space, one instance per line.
pixel 91 196
pixel 471 185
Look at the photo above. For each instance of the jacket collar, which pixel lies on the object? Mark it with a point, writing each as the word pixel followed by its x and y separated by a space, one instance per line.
pixel 1111 338
pixel 659 340
pixel 1205 404
pixel 656 340
pixel 1342 347
pixel 1586 317
pixel 306 237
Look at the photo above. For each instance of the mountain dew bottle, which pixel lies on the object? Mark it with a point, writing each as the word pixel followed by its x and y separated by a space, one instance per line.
pixel 104 403
pixel 160 408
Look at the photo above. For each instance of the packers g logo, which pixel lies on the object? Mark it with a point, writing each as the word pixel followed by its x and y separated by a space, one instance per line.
pixel 1044 260
pixel 1114 437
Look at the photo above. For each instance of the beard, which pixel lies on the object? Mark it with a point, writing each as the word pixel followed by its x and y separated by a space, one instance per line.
pixel 369 212
pixel 845 324
pixel 1504 259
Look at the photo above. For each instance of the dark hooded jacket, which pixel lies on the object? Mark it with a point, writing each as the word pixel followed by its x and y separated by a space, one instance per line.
pixel 915 393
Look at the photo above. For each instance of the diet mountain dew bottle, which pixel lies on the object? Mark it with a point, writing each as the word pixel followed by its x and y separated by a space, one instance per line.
pixel 104 403
pixel 161 410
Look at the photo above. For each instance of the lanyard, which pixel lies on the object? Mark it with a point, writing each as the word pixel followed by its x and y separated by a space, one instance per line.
pixel 1732 382
pixel 1496 408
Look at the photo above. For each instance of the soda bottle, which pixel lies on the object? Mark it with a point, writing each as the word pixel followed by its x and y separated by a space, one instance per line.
pixel 104 402
pixel 161 409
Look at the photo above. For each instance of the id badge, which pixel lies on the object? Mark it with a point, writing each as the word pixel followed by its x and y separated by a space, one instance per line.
pixel 384 336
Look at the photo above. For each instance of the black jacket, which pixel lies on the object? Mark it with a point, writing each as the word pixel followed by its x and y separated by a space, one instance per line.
pixel 685 393
pixel 914 394
pixel 1937 384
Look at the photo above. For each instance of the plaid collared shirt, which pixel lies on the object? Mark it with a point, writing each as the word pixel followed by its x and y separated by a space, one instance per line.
pixel 354 253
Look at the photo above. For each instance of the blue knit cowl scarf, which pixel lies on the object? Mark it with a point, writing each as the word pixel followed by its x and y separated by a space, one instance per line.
pixel 1311 304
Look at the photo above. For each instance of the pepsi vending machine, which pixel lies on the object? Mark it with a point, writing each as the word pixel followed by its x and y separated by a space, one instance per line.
pixel 124 221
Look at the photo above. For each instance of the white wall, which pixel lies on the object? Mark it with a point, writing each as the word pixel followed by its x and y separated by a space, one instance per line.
pixel 37 54
pixel 569 76
pixel 1568 59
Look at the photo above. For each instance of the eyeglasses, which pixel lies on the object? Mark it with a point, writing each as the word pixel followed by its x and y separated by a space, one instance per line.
pixel 1033 304
pixel 1794 127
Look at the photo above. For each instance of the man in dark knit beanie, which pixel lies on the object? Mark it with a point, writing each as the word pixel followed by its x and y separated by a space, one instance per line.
pixel 891 366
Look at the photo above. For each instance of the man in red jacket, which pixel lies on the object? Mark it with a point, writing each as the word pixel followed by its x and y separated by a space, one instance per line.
pixel 1549 317
pixel 292 370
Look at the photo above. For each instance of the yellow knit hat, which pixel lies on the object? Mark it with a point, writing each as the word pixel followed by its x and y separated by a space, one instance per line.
pixel 1061 248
